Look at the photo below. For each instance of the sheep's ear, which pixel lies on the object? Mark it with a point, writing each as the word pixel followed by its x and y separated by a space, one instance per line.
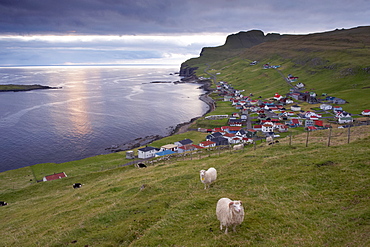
pixel 241 202
pixel 231 203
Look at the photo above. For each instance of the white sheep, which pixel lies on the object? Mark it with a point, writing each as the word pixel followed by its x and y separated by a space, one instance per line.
pixel 269 140
pixel 238 147
pixel 208 177
pixel 229 213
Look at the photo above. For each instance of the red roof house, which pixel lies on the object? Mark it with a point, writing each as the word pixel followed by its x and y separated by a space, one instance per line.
pixel 54 176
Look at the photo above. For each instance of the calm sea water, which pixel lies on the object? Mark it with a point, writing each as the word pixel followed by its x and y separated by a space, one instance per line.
pixel 97 107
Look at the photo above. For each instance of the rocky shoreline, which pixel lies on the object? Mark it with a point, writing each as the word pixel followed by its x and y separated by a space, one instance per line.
pixel 180 128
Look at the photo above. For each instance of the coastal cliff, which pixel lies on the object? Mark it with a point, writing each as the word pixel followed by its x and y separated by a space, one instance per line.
pixel 234 44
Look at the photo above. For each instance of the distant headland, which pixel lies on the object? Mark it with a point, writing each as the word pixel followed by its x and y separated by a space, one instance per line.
pixel 20 88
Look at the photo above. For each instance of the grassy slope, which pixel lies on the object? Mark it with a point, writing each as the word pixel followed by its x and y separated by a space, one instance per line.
pixel 293 195
pixel 332 62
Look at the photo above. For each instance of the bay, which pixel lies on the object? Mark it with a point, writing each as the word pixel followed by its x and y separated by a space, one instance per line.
pixel 95 108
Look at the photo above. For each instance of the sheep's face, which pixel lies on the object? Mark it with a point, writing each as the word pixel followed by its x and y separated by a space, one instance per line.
pixel 236 206
pixel 202 174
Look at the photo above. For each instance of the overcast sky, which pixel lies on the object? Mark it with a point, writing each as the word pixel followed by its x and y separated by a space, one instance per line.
pixel 57 32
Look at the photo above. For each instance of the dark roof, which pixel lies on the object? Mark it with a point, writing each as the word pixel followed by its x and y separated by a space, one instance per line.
pixel 220 140
pixel 214 135
pixel 186 142
pixel 147 149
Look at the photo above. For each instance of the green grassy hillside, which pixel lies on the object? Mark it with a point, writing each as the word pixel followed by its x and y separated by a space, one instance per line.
pixel 292 194
pixel 337 63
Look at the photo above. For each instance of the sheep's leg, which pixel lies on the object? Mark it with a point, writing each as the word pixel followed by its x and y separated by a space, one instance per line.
pixel 226 231
pixel 234 228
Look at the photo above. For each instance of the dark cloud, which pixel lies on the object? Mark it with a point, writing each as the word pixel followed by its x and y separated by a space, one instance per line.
pixel 174 16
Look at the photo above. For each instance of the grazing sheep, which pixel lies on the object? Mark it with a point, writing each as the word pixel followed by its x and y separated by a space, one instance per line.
pixel 207 177
pixel 229 213
pixel 2 203
pixel 77 185
pixel 238 147
pixel 269 140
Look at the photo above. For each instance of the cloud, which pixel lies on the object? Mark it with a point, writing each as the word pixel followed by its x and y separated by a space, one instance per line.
pixel 122 17
pixel 117 31
pixel 58 50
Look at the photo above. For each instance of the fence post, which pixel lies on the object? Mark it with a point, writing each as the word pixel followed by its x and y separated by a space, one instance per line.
pixel 349 133
pixel 290 140
pixel 329 137
pixel 307 138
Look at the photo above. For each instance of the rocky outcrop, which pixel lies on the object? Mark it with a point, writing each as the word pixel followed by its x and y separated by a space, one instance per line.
pixel 187 71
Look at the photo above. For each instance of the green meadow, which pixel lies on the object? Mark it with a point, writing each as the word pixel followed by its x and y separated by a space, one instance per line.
pixel 292 194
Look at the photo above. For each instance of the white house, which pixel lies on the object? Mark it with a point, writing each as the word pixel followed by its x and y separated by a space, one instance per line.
pixel 295 108
pixel 267 127
pixel 277 96
pixel 343 120
pixel 365 113
pixel 312 115
pixel 171 147
pixel 207 144
pixel 325 107
pixel 147 152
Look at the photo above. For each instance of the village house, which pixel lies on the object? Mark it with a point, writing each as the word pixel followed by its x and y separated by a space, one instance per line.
pixel 251 133
pixel 281 127
pixel 365 113
pixel 312 115
pixel 235 122
pixel 188 147
pixel 343 120
pixel 213 135
pixel 54 176
pixel 183 142
pixel 326 107
pixel 311 128
pixel 220 141
pixel 233 129
pixel 338 101
pixel 308 123
pixel 267 127
pixel 277 96
pixel 241 133
pixel 294 122
pixel 319 123
pixel 207 144
pixel 337 108
pixel 147 152
pixel 342 114
pixel 257 127
pixel 295 108
pixel 171 147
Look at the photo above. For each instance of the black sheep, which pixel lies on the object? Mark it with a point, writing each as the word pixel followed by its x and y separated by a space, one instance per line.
pixel 77 185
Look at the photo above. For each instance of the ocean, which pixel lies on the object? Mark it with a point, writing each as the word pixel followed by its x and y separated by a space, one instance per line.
pixel 95 108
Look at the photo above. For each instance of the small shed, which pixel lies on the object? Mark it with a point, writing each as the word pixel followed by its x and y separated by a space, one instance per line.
pixel 130 155
pixel 54 176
